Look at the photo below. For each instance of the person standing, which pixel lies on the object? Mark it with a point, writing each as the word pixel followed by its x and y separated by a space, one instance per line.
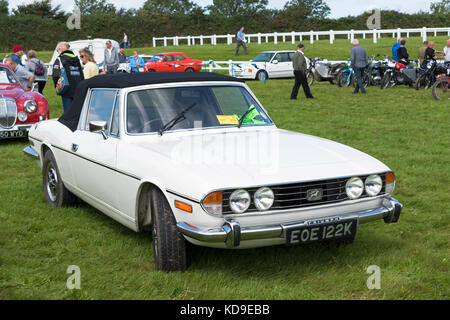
pixel 447 52
pixel 26 78
pixel 358 57
pixel 38 68
pixel 300 66
pixel 111 58
pixel 72 65
pixel 395 48
pixel 421 54
pixel 124 43
pixel 240 41
pixel 90 66
pixel 136 62
pixel 430 53
pixel 402 53
pixel 17 53
pixel 122 56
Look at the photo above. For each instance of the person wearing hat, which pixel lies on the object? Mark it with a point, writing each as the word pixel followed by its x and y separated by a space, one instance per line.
pixel 17 54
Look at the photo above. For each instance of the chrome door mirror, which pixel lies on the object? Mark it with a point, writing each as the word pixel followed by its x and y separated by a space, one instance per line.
pixel 99 126
pixel 275 61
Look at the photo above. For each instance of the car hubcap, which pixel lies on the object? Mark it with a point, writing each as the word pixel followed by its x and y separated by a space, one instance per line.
pixel 52 183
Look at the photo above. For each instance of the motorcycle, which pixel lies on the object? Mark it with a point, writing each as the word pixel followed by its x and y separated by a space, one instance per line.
pixel 398 73
pixel 322 70
pixel 428 73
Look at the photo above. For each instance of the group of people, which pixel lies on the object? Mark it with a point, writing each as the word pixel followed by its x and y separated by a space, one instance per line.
pixel 426 52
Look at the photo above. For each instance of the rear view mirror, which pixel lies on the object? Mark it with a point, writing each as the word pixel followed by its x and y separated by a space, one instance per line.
pixel 99 126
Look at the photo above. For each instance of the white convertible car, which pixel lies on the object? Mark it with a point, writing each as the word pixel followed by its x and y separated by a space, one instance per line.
pixel 268 64
pixel 195 157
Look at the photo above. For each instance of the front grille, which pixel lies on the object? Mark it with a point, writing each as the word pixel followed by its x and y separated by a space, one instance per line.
pixel 8 113
pixel 294 195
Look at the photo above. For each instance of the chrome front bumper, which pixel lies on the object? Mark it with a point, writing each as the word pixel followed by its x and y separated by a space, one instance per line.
pixel 231 233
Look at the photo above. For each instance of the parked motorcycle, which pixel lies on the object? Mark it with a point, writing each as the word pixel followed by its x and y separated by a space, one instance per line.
pixel 398 73
pixel 428 73
pixel 322 70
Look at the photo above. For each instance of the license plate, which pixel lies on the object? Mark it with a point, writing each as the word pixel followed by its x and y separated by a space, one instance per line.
pixel 13 134
pixel 313 233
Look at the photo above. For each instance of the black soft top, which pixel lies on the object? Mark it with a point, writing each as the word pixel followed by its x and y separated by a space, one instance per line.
pixel 125 80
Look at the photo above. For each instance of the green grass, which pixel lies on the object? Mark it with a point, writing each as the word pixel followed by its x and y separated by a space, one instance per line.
pixel 406 129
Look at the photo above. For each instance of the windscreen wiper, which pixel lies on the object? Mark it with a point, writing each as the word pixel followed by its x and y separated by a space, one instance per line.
pixel 179 117
pixel 241 121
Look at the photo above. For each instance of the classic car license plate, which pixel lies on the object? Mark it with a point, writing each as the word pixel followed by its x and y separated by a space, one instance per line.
pixel 345 229
pixel 13 134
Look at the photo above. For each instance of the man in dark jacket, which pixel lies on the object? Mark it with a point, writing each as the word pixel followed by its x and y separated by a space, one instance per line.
pixel 358 57
pixel 73 69
pixel 299 64
pixel 402 53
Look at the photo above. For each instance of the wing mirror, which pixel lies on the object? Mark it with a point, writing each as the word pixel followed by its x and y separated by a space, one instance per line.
pixel 99 126
pixel 275 61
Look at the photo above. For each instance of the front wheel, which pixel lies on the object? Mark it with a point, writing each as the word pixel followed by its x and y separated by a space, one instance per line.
pixel 261 76
pixel 310 77
pixel 189 70
pixel 423 81
pixel 385 81
pixel 56 194
pixel 169 246
pixel 344 79
pixel 441 89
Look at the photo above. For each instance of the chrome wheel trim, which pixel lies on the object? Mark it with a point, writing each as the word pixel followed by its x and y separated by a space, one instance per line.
pixel 52 183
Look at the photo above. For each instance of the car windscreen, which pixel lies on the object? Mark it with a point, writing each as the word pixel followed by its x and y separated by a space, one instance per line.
pixel 151 110
pixel 6 76
pixel 156 58
pixel 263 57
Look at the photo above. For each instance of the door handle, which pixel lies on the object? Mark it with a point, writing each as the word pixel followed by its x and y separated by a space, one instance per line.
pixel 74 147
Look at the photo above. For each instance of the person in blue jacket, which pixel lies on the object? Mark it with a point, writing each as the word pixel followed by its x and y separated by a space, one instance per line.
pixel 395 48
pixel 136 62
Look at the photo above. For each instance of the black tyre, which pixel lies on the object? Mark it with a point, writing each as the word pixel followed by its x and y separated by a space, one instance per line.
pixel 168 244
pixel 151 70
pixel 343 79
pixel 310 78
pixel 441 89
pixel 189 70
pixel 385 81
pixel 261 75
pixel 55 192
pixel 423 81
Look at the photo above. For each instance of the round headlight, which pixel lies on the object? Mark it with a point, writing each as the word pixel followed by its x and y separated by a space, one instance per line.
pixel 30 106
pixel 354 188
pixel 239 201
pixel 264 198
pixel 22 116
pixel 373 185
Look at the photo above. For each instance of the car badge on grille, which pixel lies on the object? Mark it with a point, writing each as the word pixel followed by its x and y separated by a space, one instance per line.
pixel 314 194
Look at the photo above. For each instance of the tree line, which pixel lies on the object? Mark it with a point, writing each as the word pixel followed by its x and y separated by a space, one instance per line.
pixel 40 24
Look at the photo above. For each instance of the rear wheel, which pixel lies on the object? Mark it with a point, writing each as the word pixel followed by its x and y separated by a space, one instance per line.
pixel 189 70
pixel 151 70
pixel 261 75
pixel 441 89
pixel 55 192
pixel 168 244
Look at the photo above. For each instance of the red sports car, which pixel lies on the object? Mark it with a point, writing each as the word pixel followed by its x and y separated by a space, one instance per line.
pixel 173 61
pixel 19 109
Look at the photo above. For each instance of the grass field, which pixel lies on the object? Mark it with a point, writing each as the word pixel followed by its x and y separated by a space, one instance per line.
pixel 406 129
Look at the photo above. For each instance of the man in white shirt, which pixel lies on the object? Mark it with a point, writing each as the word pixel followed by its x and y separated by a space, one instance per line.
pixel 447 52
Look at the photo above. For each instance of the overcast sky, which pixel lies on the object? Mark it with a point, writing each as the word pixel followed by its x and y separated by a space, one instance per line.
pixel 339 8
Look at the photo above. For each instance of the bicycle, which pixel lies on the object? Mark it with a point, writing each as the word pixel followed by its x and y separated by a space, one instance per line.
pixel 441 88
